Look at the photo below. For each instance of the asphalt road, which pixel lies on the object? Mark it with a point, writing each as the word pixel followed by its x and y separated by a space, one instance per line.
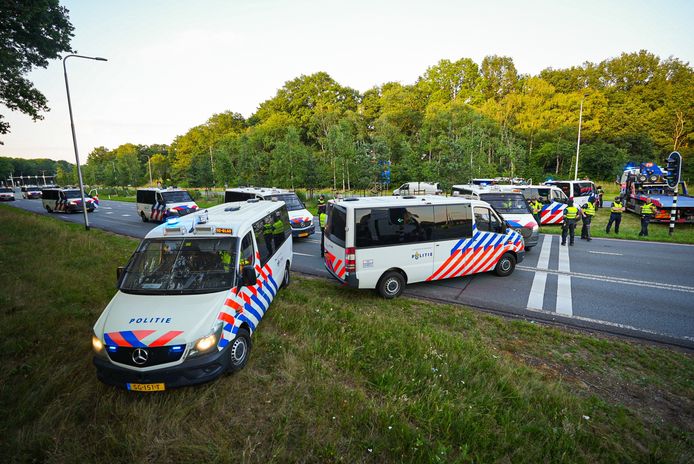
pixel 619 286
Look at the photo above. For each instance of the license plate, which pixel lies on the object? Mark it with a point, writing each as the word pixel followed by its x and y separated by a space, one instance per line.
pixel 305 234
pixel 145 387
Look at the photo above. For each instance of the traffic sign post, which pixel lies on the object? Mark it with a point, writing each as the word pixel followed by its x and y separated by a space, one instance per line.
pixel 674 172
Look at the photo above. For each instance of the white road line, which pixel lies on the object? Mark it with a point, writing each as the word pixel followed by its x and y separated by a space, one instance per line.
pixel 109 212
pixel 615 280
pixel 125 215
pixel 605 253
pixel 302 254
pixel 536 298
pixel 564 304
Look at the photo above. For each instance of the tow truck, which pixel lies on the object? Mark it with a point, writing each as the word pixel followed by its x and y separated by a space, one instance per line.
pixel 647 181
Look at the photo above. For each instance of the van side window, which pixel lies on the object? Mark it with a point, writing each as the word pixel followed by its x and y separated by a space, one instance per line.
pixel 482 219
pixel 247 255
pixel 337 222
pixel 263 237
pixel 393 226
pixel 452 222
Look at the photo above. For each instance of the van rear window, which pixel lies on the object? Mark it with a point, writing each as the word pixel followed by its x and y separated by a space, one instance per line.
pixel 337 223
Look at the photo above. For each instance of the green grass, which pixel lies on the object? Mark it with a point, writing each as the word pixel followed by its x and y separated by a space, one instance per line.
pixel 335 375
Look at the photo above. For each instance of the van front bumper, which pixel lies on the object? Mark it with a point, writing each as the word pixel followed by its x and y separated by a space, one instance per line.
pixel 304 231
pixel 191 372
pixel 520 256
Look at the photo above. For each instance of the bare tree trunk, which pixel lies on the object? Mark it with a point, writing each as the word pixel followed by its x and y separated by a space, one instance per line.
pixel 556 170
pixel 334 174
pixel 679 130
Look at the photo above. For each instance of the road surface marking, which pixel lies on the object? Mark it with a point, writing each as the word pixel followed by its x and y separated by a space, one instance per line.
pixel 564 283
pixel 302 254
pixel 605 253
pixel 125 215
pixel 109 212
pixel 536 299
pixel 610 279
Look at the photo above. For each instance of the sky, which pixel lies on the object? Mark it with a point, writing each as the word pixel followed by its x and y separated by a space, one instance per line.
pixel 173 64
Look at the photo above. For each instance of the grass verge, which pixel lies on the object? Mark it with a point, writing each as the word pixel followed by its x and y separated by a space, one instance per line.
pixel 335 375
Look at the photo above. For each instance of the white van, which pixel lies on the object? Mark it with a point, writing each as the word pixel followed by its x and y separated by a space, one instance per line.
pixel 192 295
pixel 155 204
pixel 552 198
pixel 387 242
pixel 300 218
pixel 511 205
pixel 418 188
pixel 65 200
pixel 579 190
pixel 7 194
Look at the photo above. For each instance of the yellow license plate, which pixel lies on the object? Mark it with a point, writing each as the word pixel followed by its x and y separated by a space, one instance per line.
pixel 305 234
pixel 145 387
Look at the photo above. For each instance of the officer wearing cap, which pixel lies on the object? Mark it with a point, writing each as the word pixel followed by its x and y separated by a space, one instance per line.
pixel 322 221
pixel 647 213
pixel 588 214
pixel 615 215
pixel 571 215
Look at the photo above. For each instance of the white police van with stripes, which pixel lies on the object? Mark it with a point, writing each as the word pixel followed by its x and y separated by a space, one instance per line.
pixel 387 242
pixel 192 295
pixel 154 204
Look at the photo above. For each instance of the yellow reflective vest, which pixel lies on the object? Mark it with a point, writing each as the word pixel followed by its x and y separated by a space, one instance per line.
pixel 323 219
pixel 536 206
pixel 648 209
pixel 589 209
pixel 571 212
pixel 617 207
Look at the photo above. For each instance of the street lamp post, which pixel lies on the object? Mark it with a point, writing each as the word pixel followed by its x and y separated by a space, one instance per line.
pixel 578 143
pixel 74 137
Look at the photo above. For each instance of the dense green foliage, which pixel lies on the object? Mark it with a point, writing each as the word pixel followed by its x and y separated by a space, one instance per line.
pixel 31 33
pixel 457 121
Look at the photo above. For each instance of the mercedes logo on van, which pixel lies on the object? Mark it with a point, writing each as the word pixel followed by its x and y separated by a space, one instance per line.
pixel 140 356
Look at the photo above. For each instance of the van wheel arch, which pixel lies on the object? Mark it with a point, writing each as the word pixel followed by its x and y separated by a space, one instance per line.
pixel 506 264
pixel 239 349
pixel 392 283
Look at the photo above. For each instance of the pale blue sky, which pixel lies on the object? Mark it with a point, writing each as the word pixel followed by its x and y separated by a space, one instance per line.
pixel 172 64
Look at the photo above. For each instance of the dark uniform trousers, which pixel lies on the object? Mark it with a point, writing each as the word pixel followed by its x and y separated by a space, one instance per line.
pixel 645 220
pixel 585 229
pixel 569 228
pixel 615 218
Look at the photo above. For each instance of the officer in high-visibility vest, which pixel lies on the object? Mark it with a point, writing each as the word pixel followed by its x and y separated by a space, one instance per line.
pixel 267 235
pixel 322 221
pixel 278 230
pixel 536 207
pixel 225 258
pixel 588 214
pixel 615 215
pixel 571 215
pixel 647 213
pixel 321 201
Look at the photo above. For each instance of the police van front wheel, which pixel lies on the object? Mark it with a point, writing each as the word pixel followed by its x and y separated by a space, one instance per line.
pixel 144 217
pixel 391 285
pixel 506 265
pixel 286 280
pixel 239 350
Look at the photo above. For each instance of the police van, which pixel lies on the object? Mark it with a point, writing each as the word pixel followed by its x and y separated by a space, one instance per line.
pixel 387 242
pixel 31 192
pixel 192 295
pixel 553 201
pixel 154 204
pixel 579 190
pixel 65 200
pixel 6 194
pixel 511 205
pixel 300 218
pixel 418 188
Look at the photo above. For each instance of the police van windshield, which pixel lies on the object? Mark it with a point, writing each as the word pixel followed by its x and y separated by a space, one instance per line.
pixel 5 189
pixel 290 199
pixel 180 196
pixel 505 203
pixel 74 194
pixel 181 266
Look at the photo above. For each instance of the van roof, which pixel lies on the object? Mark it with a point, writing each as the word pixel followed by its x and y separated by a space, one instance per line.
pixel 155 189
pixel 549 182
pixel 481 189
pixel 396 201
pixel 259 190
pixel 234 216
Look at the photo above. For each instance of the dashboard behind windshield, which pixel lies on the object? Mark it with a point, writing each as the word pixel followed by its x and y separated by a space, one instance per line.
pixel 290 199
pixel 176 197
pixel 181 266
pixel 507 203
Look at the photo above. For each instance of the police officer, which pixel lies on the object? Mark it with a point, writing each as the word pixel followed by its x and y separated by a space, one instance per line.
pixel 322 221
pixel 321 202
pixel 278 230
pixel 647 213
pixel 588 214
pixel 615 215
pixel 601 192
pixel 536 208
pixel 267 235
pixel 571 216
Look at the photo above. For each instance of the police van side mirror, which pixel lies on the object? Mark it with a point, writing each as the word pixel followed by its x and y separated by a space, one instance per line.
pixel 119 273
pixel 248 276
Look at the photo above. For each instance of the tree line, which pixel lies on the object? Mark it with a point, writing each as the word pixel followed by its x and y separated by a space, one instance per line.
pixel 459 120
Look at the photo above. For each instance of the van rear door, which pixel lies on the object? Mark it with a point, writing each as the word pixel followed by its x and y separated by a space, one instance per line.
pixel 335 241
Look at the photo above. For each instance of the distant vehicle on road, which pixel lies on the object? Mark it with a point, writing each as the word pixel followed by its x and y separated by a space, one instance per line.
pixel 387 242
pixel 155 204
pixel 30 192
pixel 418 188
pixel 552 198
pixel 65 200
pixel 300 218
pixel 579 190
pixel 511 205
pixel 6 194
pixel 192 295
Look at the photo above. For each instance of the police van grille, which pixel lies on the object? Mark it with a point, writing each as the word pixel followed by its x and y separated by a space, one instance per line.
pixel 156 356
pixel 525 232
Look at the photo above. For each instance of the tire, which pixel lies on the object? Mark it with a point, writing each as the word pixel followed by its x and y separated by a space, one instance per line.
pixel 528 248
pixel 144 217
pixel 506 265
pixel 239 350
pixel 286 280
pixel 48 209
pixel 391 285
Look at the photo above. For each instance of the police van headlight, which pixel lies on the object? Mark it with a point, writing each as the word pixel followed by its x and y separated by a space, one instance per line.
pixel 207 343
pixel 98 346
